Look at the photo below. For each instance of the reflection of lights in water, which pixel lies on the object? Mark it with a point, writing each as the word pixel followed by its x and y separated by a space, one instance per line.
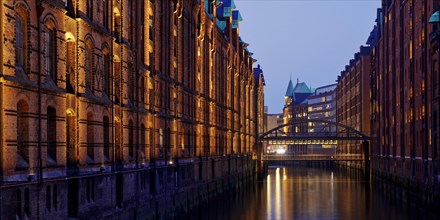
pixel 277 194
pixel 332 195
pixel 284 174
pixel 268 205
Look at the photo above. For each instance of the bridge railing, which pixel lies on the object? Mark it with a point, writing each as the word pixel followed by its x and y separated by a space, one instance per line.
pixel 312 157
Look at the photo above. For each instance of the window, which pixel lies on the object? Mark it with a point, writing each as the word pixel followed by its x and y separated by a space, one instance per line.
pixel 50 52
pixel 130 82
pixel 117 83
pixel 130 139
pixel 27 204
pixel 22 135
pixel 90 136
pixel 90 9
pixel 90 190
pixel 51 132
pixel 18 205
pixel 143 142
pixel 48 198
pixel 88 65
pixel 55 197
pixel 106 137
pixel 70 65
pixel 106 73
pixel 118 150
pixel 143 90
pixel 130 21
pixel 117 24
pixel 105 14
pixel 70 7
pixel 20 37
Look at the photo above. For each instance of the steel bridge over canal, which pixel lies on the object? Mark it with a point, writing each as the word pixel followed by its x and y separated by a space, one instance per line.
pixel 297 133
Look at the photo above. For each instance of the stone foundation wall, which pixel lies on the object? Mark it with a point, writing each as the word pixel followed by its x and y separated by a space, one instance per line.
pixel 148 193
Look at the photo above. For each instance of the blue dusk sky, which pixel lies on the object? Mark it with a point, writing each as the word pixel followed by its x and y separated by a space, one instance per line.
pixel 311 40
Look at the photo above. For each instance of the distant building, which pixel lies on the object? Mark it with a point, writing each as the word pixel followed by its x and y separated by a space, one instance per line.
pixel 295 109
pixel 274 120
pixel 322 106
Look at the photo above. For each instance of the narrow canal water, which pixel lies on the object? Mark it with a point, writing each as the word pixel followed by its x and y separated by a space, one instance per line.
pixel 299 192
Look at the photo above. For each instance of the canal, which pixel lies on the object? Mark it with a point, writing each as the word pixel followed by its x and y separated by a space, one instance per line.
pixel 304 192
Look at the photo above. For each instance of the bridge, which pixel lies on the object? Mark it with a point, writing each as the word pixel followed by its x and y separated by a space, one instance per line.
pixel 312 157
pixel 299 133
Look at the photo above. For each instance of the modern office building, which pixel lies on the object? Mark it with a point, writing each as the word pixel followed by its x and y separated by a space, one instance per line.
pixel 322 106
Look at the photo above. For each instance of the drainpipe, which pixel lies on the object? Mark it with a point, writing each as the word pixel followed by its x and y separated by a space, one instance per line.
pixel 112 90
pixel 40 161
pixel 136 89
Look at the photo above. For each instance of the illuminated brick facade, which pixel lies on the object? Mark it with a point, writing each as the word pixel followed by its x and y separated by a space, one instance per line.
pixel 105 101
pixel 353 99
pixel 401 115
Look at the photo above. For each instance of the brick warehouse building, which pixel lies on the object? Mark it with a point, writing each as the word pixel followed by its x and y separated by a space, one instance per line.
pixel 404 135
pixel 353 99
pixel 116 109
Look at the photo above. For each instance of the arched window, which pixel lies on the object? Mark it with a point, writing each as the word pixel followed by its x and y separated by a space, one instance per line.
pixel 22 135
pixel 90 136
pixel 106 135
pixel 21 37
pixel 88 64
pixel 50 38
pixel 51 131
pixel 70 62
pixel 117 24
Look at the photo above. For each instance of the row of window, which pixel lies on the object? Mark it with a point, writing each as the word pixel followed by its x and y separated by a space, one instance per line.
pixel 50 52
pixel 186 139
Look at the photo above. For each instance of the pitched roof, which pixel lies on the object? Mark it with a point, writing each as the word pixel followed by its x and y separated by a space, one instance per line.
pixel 302 88
pixel 289 91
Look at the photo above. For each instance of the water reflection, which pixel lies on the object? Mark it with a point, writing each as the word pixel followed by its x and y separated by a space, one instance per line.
pixel 307 193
